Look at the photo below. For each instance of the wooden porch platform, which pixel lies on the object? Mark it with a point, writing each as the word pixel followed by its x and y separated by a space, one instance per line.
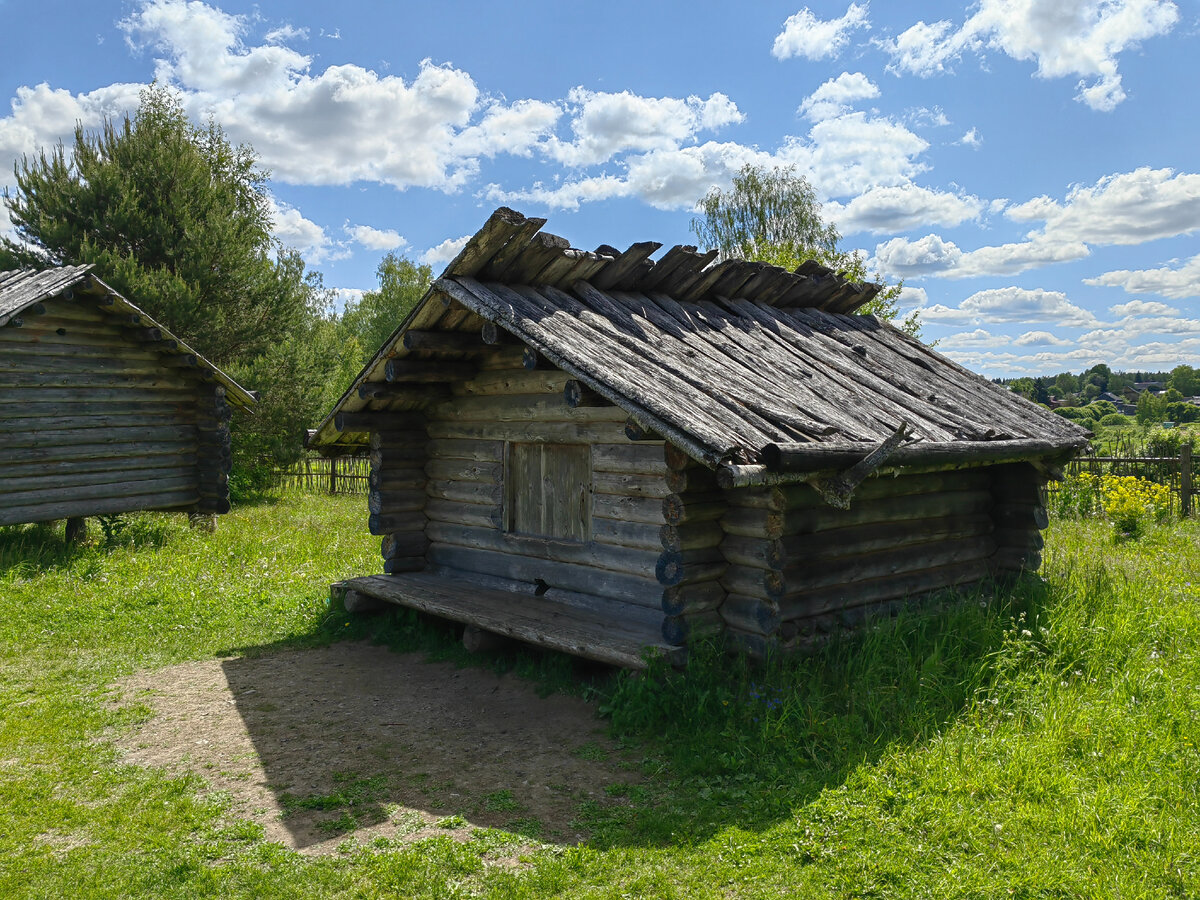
pixel 525 617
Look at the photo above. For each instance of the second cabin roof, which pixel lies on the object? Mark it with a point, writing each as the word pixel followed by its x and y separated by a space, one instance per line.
pixel 727 360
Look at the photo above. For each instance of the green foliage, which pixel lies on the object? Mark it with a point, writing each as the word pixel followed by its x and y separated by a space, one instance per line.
pixel 173 216
pixel 1186 380
pixel 177 219
pixel 773 216
pixel 372 319
pixel 1026 387
pixel 1115 420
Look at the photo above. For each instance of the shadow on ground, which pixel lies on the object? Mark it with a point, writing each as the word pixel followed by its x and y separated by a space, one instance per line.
pixel 353 739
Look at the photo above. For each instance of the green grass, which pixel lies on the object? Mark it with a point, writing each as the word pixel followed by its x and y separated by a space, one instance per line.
pixel 1039 743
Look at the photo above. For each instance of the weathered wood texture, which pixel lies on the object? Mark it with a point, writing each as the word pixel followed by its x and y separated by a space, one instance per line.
pixel 529 617
pixel 1019 515
pixel 99 414
pixel 525 488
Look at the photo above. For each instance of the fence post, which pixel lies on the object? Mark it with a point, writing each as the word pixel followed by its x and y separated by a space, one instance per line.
pixel 333 474
pixel 1185 479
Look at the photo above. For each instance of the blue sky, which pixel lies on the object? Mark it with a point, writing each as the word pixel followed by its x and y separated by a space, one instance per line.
pixel 1029 167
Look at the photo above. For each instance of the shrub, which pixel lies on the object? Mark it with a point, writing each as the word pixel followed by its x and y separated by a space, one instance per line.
pixel 1129 502
pixel 1116 419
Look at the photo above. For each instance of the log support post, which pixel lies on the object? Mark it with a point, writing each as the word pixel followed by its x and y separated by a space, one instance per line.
pixel 214 455
pixel 76 530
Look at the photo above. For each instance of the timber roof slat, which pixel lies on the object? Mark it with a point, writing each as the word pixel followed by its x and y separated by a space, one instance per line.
pixel 721 358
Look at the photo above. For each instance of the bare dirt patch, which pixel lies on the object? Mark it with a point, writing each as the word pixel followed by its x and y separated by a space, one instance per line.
pixel 352 740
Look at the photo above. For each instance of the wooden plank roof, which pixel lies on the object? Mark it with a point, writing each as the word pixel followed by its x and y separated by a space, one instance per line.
pixel 23 290
pixel 731 361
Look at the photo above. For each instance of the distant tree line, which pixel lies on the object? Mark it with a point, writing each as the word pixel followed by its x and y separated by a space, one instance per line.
pixel 1078 396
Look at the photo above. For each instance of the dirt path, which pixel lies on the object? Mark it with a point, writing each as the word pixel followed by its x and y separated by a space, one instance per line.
pixel 353 740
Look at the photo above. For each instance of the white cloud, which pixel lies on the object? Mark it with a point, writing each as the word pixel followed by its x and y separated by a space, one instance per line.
pixel 1063 37
pixel 834 96
pixel 1174 283
pixel 303 235
pixel 204 48
pixel 1127 208
pixel 444 252
pixel 924 115
pixel 606 124
pixel 902 258
pixel 924 49
pixel 1013 304
pixel 1009 259
pixel 1040 339
pixel 375 238
pixel 812 38
pixel 971 139
pixel 977 338
pixel 850 154
pixel 515 129
pixel 1142 308
pixel 43 117
pixel 285 33
pixel 336 126
pixel 913 297
pixel 901 208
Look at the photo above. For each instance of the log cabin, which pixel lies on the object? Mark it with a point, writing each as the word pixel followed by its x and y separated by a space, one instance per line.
pixel 613 456
pixel 102 409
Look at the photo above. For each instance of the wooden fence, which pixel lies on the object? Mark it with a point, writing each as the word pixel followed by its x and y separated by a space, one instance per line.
pixel 326 475
pixel 1177 473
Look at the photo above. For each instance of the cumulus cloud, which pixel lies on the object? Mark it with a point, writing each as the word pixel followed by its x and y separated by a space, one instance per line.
pixel 978 338
pixel 1175 283
pixel 606 124
pixel 665 179
pixel 902 258
pixel 376 238
pixel 1063 37
pixel 1039 339
pixel 444 252
pixel 971 139
pixel 805 35
pixel 303 235
pixel 901 208
pixel 1126 208
pixel 834 96
pixel 43 117
pixel 285 34
pixel 913 297
pixel 1142 308
pixel 1013 304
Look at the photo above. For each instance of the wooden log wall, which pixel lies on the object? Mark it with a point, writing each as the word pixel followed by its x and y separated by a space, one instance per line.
pixel 798 566
pixel 514 398
pixel 1019 514
pixel 903 536
pixel 396 495
pixel 213 449
pixel 691 565
pixel 96 419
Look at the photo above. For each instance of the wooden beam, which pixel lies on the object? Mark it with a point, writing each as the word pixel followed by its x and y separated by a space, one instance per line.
pixel 440 341
pixel 423 371
pixel 577 394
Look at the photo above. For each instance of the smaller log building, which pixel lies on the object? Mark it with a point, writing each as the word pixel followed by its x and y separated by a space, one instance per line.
pixel 606 454
pixel 103 410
